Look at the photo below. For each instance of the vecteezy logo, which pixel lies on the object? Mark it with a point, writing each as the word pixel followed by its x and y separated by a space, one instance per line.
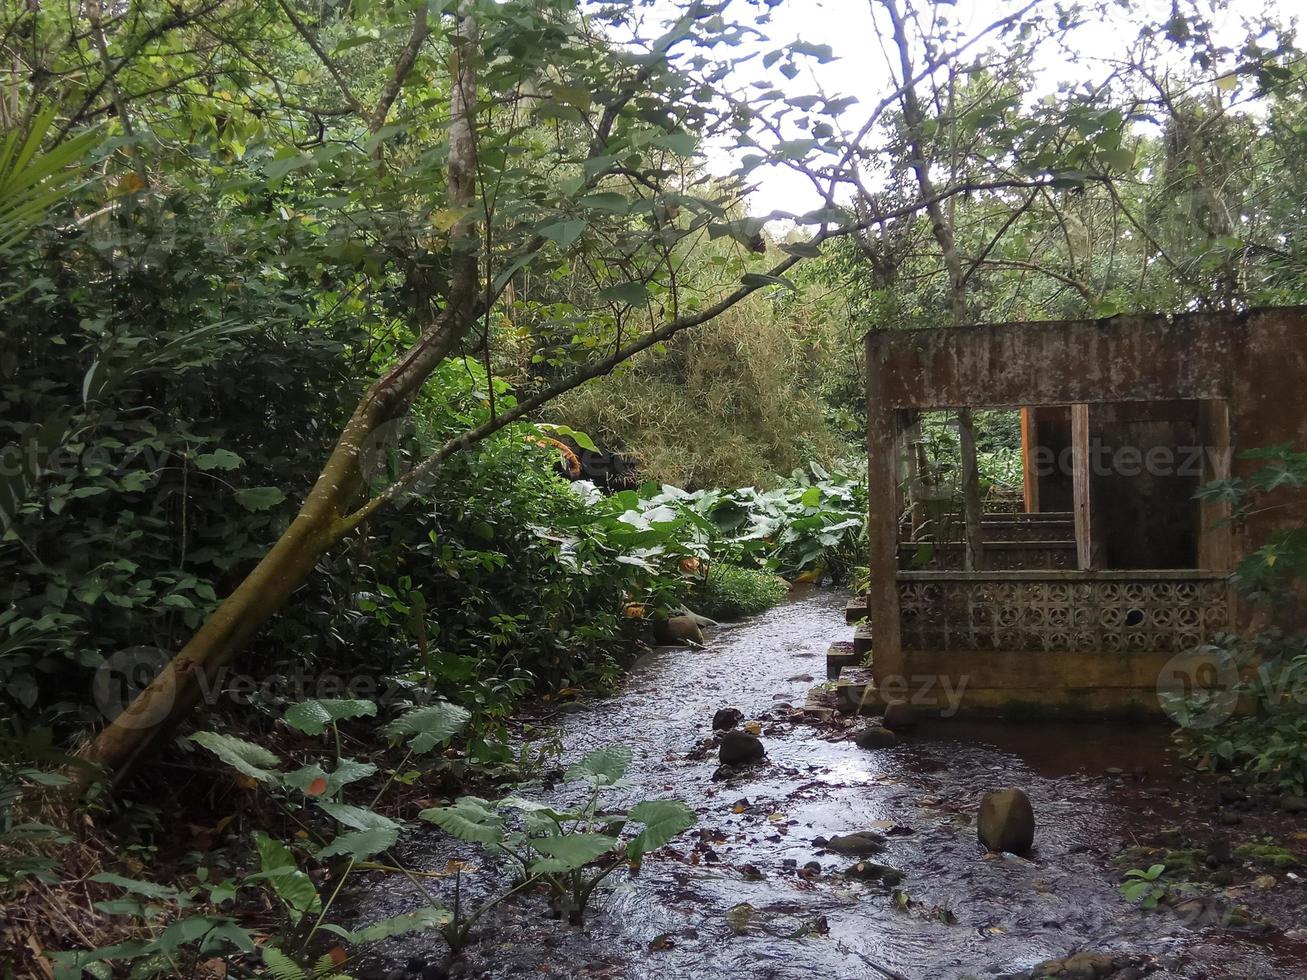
pixel 126 674
pixel 1199 688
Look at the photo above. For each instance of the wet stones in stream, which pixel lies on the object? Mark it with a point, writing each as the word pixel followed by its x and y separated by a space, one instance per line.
pixel 1006 821
pixel 739 749
pixel 899 716
pixel 876 737
pixel 1094 966
pixel 678 631
pixel 726 718
pixel 870 871
pixel 861 843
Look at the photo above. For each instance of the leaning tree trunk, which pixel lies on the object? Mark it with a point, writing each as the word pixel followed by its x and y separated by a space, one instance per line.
pixel 326 515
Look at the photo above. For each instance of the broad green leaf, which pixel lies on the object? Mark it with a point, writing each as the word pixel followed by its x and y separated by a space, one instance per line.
pixel 421 920
pixel 347 771
pixel 630 293
pixel 227 934
pixel 245 757
pixel 357 817
pixel 361 844
pixel 574 95
pixel 563 232
pixel 604 766
pixel 576 435
pixel 259 498
pixel 146 889
pixel 531 806
pixel 606 201
pixel 469 818
pixel 663 820
pixel 682 144
pixel 758 279
pixel 822 52
pixel 807 250
pixel 273 854
pixel 219 459
pixel 1121 159
pixel 429 726
pixel 313 717
pixel 570 852
pixel 291 885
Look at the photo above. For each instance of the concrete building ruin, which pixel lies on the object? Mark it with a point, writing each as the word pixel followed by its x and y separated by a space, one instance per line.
pixel 1107 567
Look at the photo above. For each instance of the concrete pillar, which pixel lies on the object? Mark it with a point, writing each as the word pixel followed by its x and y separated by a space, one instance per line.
pixel 1080 483
pixel 882 528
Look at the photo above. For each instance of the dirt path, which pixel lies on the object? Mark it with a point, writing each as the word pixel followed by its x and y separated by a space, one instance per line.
pixel 725 900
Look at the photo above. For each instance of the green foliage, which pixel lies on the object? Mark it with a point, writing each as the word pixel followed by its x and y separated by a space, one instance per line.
pixel 341 832
pixel 1268 746
pixel 247 758
pixel 815 519
pixel 313 717
pixel 729 592
pixel 1281 560
pixel 1143 888
pixel 426 727
pixel 735 403
pixel 282 967
pixel 570 851
pixel 33 181
pixel 1267 854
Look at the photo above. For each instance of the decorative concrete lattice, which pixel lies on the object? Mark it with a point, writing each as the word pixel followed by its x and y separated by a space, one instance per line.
pixel 1147 614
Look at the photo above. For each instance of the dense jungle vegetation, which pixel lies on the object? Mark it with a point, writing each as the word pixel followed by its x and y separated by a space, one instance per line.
pixel 306 304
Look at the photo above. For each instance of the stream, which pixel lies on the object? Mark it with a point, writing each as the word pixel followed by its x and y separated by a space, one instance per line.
pixel 732 897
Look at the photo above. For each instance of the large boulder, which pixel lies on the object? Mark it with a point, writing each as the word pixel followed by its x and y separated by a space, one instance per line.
pixel 739 748
pixel 677 631
pixel 1006 821
pixel 875 737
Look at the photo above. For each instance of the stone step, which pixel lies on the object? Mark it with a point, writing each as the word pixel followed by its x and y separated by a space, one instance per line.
pixel 855 692
pixel 862 640
pixel 820 705
pixel 856 609
pixel 840 655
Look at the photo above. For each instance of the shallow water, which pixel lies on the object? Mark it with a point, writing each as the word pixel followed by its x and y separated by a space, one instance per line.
pixel 965 914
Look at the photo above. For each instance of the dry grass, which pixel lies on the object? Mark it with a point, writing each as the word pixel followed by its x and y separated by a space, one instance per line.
pixel 37 917
pixel 729 404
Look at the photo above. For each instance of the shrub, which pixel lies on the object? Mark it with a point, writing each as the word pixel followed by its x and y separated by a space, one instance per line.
pixel 732 592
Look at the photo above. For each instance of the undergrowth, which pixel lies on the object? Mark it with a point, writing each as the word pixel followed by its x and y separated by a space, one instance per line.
pixel 730 592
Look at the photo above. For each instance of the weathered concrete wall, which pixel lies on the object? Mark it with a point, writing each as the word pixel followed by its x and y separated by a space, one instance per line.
pixel 1058 363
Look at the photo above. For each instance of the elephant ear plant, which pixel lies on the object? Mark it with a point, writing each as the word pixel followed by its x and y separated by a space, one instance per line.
pixel 341 829
pixel 567 851
pixel 335 803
